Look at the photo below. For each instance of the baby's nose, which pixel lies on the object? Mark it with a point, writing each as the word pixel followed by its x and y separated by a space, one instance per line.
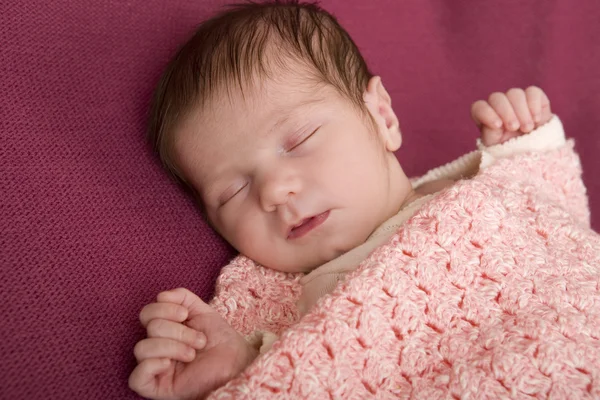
pixel 276 189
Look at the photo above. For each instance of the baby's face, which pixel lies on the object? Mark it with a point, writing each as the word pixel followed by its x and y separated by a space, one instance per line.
pixel 291 174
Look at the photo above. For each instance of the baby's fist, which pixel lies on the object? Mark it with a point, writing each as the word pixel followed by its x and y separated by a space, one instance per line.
pixel 507 115
pixel 190 349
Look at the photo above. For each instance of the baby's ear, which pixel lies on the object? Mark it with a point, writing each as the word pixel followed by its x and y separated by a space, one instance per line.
pixel 379 104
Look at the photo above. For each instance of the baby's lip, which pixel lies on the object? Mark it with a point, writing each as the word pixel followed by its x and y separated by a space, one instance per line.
pixel 305 225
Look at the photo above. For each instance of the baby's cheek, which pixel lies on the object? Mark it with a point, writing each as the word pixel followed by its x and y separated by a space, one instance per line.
pixel 249 234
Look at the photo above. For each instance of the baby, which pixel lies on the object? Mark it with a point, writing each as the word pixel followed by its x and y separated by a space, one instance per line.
pixel 271 118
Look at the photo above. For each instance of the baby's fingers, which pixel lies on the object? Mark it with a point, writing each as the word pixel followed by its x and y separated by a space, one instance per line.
pixel 187 299
pixel 501 104
pixel 161 328
pixel 518 100
pixel 170 311
pixel 143 378
pixel 163 348
pixel 539 105
pixel 485 116
pixel 534 99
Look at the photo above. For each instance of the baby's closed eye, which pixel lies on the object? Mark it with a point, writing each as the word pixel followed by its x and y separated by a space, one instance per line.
pixel 298 139
pixel 231 192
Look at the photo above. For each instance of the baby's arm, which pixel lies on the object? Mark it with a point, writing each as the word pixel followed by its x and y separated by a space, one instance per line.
pixel 190 349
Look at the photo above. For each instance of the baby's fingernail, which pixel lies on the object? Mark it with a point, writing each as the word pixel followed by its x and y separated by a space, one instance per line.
pixel 497 123
pixel 514 126
pixel 528 126
pixel 537 117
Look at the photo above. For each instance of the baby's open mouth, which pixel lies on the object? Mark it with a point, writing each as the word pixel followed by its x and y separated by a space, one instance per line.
pixel 307 225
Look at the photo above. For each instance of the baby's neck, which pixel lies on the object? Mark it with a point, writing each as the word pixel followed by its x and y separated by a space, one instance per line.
pixel 425 189
pixel 411 197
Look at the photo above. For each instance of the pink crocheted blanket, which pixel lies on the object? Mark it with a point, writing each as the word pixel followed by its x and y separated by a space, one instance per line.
pixel 491 290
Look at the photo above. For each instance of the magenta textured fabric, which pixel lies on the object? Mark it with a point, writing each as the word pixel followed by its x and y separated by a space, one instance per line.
pixel 91 228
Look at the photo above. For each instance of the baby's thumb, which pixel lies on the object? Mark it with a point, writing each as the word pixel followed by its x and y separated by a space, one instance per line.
pixel 186 298
pixel 143 378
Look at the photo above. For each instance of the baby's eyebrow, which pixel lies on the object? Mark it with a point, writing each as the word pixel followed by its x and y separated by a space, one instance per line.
pixel 282 121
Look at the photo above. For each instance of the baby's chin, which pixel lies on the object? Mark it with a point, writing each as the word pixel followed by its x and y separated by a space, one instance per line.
pixel 303 265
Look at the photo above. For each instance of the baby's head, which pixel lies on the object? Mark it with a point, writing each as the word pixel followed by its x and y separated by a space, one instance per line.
pixel 269 115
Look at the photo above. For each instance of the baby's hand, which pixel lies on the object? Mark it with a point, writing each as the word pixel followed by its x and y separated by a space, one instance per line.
pixel 505 116
pixel 190 349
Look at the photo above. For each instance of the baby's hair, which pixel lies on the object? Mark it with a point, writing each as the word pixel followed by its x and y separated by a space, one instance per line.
pixel 243 44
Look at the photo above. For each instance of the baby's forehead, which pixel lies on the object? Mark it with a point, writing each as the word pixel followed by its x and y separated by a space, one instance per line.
pixel 283 93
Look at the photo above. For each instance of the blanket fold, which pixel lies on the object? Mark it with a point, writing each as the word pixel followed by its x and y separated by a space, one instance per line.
pixel 490 290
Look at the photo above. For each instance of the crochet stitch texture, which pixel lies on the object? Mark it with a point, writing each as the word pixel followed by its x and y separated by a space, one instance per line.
pixel 491 290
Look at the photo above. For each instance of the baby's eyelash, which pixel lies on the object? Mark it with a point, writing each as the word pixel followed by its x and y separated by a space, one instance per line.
pixel 303 140
pixel 229 197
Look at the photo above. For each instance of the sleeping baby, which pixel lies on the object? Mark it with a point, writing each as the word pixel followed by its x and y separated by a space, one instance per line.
pixel 272 120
